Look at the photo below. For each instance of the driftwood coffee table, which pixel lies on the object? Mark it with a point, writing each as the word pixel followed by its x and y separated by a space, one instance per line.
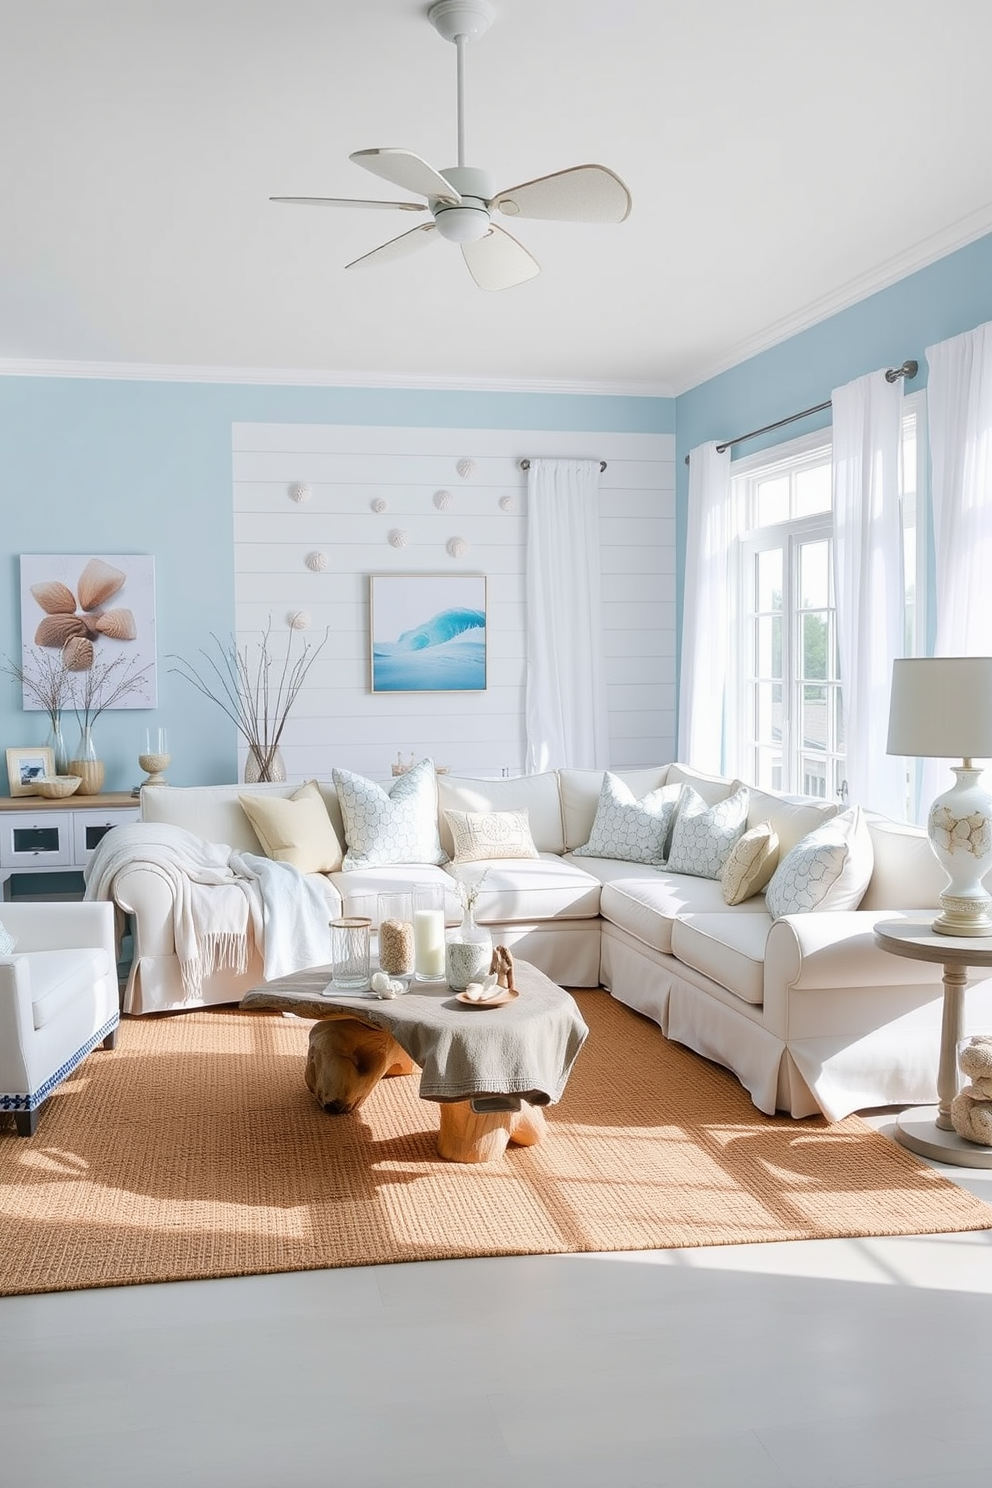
pixel 490 1070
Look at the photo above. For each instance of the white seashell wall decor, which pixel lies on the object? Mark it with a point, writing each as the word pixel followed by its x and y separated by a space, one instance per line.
pixel 508 503
pixel 317 562
pixel 457 547
pixel 379 504
pixel 442 500
pixel 298 620
pixel 397 538
pixel 300 491
pixel 465 468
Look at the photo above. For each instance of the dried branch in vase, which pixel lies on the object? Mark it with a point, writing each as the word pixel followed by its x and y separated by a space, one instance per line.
pixel 103 686
pixel 46 682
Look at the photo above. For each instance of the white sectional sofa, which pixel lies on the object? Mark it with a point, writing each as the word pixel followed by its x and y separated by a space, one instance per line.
pixel 808 1013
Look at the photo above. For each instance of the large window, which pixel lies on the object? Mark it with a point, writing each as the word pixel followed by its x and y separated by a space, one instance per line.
pixel 788 707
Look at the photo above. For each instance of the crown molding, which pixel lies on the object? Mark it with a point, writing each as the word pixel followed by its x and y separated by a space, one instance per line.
pixel 310 377
pixel 939 245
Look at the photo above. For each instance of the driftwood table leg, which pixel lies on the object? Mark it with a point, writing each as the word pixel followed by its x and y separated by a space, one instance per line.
pixel 347 1059
pixel 469 1136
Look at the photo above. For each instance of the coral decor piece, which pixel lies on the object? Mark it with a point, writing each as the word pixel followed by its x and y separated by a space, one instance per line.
pixel 466 469
pixel 442 500
pixel 457 547
pixel 397 538
pixel 379 504
pixel 300 491
pixel 971 1108
pixel 316 562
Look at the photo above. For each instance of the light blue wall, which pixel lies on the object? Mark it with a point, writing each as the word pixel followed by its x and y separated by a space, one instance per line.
pixel 96 466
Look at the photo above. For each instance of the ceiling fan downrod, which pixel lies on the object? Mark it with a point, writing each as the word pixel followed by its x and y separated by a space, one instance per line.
pixel 461 21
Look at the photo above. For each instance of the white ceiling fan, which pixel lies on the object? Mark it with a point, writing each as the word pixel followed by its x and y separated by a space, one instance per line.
pixel 461 200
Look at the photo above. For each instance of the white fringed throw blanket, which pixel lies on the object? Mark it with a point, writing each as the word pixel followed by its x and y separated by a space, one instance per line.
pixel 222 901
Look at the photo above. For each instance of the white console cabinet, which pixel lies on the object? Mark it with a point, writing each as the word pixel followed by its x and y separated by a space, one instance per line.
pixel 39 836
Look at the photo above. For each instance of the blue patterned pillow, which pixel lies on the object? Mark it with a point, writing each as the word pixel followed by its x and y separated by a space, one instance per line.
pixel 829 869
pixel 394 826
pixel 703 836
pixel 626 828
pixel 7 941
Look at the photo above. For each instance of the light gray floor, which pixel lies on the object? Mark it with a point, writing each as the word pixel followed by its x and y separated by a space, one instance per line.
pixel 819 1364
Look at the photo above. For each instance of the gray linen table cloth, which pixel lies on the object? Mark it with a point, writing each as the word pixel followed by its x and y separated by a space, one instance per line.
pixel 494 1057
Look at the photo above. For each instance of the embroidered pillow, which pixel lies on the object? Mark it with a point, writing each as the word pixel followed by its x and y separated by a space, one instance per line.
pixel 395 826
pixel 7 941
pixel 752 861
pixel 481 835
pixel 703 836
pixel 828 869
pixel 296 829
pixel 635 831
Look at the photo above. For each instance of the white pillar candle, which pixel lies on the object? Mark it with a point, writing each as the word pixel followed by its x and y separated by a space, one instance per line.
pixel 428 943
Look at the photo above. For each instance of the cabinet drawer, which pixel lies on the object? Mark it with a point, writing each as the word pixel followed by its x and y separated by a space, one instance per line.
pixel 43 840
pixel 90 827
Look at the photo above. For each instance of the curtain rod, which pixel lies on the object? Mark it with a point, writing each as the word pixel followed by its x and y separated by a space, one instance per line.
pixel 525 465
pixel 908 369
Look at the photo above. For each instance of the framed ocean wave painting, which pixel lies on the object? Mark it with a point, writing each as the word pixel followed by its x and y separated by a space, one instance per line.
pixel 428 632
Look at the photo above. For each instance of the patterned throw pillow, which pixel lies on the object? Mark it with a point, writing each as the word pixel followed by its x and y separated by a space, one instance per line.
pixel 7 941
pixel 394 826
pixel 632 830
pixel 483 835
pixel 753 859
pixel 828 869
pixel 704 835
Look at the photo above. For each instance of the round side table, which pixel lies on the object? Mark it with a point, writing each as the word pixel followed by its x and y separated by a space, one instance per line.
pixel 929 1130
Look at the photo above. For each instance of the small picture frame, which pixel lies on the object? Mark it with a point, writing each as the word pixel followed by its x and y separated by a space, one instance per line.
pixel 26 766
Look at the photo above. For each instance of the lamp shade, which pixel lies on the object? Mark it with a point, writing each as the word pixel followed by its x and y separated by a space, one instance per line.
pixel 941 707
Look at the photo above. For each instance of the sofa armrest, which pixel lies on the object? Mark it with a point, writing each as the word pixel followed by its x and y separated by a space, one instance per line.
pixel 37 926
pixel 146 895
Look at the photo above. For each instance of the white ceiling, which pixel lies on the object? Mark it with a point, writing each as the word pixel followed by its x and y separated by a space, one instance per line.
pixel 785 157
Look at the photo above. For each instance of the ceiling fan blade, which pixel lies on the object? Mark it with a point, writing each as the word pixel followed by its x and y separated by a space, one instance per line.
pixel 498 261
pixel 584 193
pixel 348 201
pixel 405 169
pixel 408 242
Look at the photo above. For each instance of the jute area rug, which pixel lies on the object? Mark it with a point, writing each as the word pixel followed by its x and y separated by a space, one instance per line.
pixel 195 1150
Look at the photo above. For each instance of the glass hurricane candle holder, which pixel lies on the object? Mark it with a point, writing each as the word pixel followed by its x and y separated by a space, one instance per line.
pixel 155 759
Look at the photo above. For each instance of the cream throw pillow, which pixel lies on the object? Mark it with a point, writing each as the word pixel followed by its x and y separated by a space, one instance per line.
pixel 753 859
pixel 295 829
pixel 483 835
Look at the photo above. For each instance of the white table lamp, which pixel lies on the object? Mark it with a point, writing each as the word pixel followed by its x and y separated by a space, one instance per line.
pixel 941 708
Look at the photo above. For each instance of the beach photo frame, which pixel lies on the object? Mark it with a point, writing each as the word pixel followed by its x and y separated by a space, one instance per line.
pixel 427 632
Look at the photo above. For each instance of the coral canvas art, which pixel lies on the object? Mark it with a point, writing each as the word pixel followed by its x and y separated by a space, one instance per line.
pixel 90 610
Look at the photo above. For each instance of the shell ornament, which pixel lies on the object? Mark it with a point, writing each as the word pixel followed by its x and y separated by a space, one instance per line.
pixel 397 538
pixel 300 491
pixel 379 504
pixel 457 547
pixel 298 620
pixel 508 503
pixel 316 562
pixel 442 500
pixel 466 469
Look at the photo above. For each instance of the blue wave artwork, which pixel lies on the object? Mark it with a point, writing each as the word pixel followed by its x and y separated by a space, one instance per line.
pixel 447 653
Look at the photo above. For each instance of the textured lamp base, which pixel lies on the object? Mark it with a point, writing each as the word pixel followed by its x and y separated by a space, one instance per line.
pixel 964 916
pixel 960 832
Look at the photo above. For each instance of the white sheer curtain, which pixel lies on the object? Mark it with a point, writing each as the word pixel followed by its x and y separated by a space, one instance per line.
pixel 565 708
pixel 869 585
pixel 704 716
pixel 959 413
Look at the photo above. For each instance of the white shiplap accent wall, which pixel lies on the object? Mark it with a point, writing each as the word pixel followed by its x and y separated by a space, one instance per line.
pixel 337 719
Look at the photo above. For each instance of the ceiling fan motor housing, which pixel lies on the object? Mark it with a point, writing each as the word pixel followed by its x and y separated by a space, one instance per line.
pixel 468 221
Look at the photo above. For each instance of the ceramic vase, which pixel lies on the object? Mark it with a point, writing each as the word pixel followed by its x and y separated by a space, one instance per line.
pixel 468 952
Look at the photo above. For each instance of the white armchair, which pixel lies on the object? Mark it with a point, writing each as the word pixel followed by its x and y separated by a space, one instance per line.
pixel 58 999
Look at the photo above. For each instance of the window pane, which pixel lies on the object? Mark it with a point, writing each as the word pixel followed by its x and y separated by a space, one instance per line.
pixel 814 776
pixel 768 579
pixel 814 735
pixel 812 491
pixel 772 501
pixel 815 636
pixel 768 646
pixel 814 579
pixel 768 712
pixel 768 769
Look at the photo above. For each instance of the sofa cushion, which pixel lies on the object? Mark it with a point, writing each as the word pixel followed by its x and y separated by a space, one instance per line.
pixel 296 831
pixel 712 788
pixel 360 888
pixel 59 977
pixel 703 836
pixel 647 907
pixel 729 949
pixel 635 831
pixel 536 794
pixel 209 811
pixel 906 874
pixel 752 861
pixel 398 825
pixel 478 836
pixel 581 790
pixel 791 816
pixel 828 869
pixel 544 888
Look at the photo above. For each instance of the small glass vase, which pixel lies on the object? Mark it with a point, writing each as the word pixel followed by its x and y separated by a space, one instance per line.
pixel 86 764
pixel 264 764
pixel 56 743
pixel 468 952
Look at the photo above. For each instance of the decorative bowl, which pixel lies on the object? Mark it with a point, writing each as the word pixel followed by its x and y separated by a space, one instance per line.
pixel 57 786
